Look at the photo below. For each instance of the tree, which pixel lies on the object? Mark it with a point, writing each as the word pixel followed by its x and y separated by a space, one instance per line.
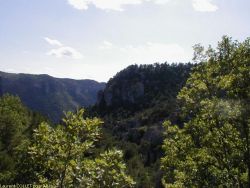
pixel 14 121
pixel 108 170
pixel 213 147
pixel 64 155
pixel 16 125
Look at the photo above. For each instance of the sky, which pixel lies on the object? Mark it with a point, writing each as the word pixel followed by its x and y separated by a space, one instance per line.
pixel 94 39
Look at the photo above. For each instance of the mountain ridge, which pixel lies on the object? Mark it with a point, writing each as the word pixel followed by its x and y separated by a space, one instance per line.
pixel 49 95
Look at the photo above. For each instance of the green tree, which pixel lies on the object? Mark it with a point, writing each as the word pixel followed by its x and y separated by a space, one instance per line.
pixel 64 155
pixel 16 125
pixel 108 170
pixel 14 121
pixel 213 147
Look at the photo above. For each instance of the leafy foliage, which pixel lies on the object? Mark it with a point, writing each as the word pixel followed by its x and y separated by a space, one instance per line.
pixel 108 170
pixel 212 149
pixel 64 155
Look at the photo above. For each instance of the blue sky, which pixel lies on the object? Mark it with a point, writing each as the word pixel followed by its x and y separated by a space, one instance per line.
pixel 96 38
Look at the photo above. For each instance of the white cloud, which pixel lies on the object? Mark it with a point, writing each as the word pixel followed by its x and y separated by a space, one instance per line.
pixel 79 4
pixel 62 50
pixel 106 45
pixel 53 42
pixel 65 51
pixel 110 4
pixel 114 4
pixel 160 2
pixel 204 5
pixel 117 5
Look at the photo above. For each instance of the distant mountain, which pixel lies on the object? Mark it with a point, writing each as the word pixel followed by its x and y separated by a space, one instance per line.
pixel 48 95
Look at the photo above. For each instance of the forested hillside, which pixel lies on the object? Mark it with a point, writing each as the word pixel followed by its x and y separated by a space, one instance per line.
pixel 133 105
pixel 48 95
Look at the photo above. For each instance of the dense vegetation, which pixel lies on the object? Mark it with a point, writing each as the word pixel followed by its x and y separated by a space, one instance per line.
pixel 16 125
pixel 212 149
pixel 65 160
pixel 204 141
pixel 59 157
pixel 48 95
pixel 134 105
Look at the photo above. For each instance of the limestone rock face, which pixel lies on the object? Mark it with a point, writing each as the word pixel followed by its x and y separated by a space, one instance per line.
pixel 126 93
pixel 140 87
